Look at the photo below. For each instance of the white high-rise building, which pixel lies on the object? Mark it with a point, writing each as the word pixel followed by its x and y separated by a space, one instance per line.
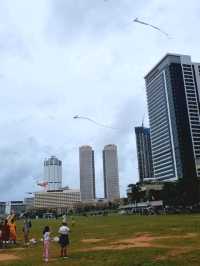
pixel 111 173
pixel 53 173
pixel 87 173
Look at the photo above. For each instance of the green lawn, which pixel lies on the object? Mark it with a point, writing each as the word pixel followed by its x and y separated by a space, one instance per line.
pixel 118 241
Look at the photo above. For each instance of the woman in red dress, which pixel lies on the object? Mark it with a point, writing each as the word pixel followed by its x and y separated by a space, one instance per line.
pixel 5 232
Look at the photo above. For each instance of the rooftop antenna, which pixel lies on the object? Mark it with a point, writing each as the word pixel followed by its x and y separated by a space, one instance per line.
pixel 143 120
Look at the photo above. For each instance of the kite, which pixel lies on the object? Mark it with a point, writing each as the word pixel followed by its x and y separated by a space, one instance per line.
pixel 150 25
pixel 94 122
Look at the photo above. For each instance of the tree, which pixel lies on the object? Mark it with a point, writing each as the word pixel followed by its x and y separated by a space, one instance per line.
pixel 134 193
pixel 184 192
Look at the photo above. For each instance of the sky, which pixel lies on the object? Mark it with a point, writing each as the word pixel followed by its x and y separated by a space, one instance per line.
pixel 60 58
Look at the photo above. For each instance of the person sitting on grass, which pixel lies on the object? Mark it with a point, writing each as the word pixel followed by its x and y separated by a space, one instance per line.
pixel 64 239
pixel 46 241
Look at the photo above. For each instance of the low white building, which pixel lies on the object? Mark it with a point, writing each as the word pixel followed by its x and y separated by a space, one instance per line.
pixel 57 199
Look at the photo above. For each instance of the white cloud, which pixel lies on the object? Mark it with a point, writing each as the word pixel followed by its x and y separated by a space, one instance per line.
pixel 60 58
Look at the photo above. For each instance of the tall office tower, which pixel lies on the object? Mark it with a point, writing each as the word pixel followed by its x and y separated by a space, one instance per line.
pixel 111 173
pixel 173 88
pixel 143 143
pixel 87 173
pixel 53 173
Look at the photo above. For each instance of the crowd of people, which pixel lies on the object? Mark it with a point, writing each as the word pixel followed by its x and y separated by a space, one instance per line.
pixel 8 236
pixel 8 231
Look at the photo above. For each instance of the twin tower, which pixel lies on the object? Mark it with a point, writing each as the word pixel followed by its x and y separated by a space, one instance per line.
pixel 110 171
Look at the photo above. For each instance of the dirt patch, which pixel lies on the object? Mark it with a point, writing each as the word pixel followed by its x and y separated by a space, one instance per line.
pixel 140 241
pixel 11 249
pixel 5 257
pixel 92 240
pixel 173 253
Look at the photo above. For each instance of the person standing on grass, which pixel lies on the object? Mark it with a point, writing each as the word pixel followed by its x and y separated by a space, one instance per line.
pixel 1 234
pixel 5 233
pixel 64 240
pixel 46 242
pixel 13 231
pixel 26 230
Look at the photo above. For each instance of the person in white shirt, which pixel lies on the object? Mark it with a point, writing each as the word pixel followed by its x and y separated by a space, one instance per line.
pixel 46 241
pixel 64 239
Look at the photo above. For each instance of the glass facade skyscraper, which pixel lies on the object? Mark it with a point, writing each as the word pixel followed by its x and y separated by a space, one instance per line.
pixel 143 143
pixel 173 88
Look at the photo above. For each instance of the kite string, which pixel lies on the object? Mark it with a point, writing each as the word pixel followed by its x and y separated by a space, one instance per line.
pixel 97 123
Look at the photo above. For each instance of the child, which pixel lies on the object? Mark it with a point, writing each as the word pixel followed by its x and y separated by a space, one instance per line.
pixel 64 239
pixel 46 241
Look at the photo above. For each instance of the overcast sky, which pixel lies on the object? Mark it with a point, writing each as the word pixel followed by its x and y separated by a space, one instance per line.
pixel 59 58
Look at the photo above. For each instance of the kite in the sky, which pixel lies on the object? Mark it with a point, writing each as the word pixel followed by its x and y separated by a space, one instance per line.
pixel 150 25
pixel 94 122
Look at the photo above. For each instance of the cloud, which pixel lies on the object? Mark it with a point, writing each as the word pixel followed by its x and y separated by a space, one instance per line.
pixel 60 58
pixel 69 20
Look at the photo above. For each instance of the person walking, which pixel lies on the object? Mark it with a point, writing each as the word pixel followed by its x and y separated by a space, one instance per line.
pixel 64 239
pixel 46 242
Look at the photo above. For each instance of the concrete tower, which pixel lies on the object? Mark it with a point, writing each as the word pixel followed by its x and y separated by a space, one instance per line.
pixel 111 173
pixel 87 173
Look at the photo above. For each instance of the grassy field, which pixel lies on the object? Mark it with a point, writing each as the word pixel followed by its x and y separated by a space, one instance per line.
pixel 117 241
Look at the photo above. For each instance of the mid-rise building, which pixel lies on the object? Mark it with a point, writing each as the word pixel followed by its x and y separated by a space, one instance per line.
pixel 62 199
pixel 29 203
pixel 53 173
pixel 87 173
pixel 143 144
pixel 111 172
pixel 173 88
pixel 2 207
pixel 16 207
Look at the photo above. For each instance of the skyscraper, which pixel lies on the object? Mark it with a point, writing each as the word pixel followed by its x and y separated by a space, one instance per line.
pixel 111 174
pixel 143 143
pixel 87 173
pixel 173 88
pixel 53 173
